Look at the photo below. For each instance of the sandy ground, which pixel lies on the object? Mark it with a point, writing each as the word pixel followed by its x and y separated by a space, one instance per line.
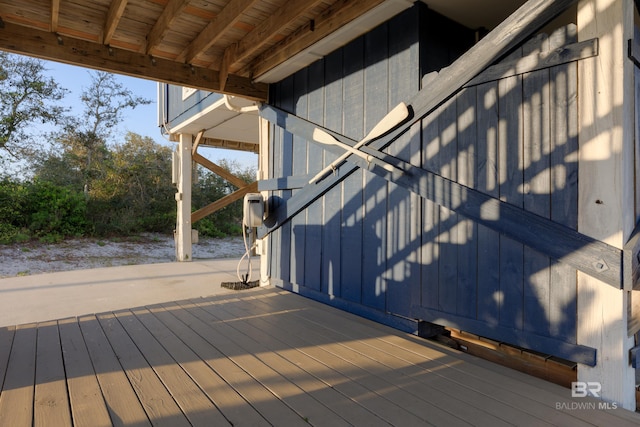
pixel 34 258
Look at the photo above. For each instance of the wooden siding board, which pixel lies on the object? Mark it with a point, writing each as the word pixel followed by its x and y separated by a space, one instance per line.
pixel 488 164
pixel 313 232
pixel 352 196
pixel 564 183
pixel 287 103
pixel 430 250
pixel 448 225
pixel 509 298
pixel 469 147
pixel 332 222
pixel 376 202
pixel 299 167
pixel 537 185
pixel 404 70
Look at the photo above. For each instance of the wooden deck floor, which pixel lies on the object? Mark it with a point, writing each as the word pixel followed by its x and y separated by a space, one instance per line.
pixel 262 357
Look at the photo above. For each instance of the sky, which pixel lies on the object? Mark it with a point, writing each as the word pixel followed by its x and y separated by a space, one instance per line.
pixel 143 120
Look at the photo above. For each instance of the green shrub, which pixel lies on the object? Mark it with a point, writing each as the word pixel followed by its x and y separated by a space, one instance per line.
pixel 55 211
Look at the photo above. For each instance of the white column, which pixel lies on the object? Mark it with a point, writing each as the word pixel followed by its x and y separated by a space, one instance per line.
pixel 183 199
pixel 606 185
pixel 263 173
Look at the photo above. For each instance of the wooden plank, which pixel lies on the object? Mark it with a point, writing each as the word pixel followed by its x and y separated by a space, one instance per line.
pixel 196 406
pixel 537 185
pixel 377 201
pixel 331 225
pixel 254 357
pixel 220 171
pixel 159 405
pixel 120 398
pixel 225 201
pixel 430 257
pixel 538 61
pixel 246 386
pixel 488 181
pixel 116 9
pixel 564 182
pixel 55 47
pixel 315 155
pixel 171 11
pixel 299 166
pixel 51 401
pixel 470 168
pixel 257 390
pixel 234 408
pixel 288 361
pixel 449 221
pixel 351 206
pixel 507 299
pixel 230 14
pixel 16 399
pixel 420 386
pixel 346 372
pixel 6 343
pixel 55 15
pixel 402 218
pixel 88 407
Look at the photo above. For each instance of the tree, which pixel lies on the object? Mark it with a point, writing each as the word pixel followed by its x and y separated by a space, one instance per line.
pixel 85 138
pixel 26 97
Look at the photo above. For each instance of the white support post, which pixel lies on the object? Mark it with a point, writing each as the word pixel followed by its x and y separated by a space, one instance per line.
pixel 183 199
pixel 263 173
pixel 606 187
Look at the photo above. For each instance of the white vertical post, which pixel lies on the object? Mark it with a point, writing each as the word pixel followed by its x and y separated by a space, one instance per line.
pixel 606 202
pixel 263 173
pixel 183 199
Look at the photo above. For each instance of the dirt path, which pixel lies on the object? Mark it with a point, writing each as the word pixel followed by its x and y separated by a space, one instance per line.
pixel 34 258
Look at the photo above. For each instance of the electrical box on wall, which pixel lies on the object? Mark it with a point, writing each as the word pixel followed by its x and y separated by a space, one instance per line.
pixel 253 210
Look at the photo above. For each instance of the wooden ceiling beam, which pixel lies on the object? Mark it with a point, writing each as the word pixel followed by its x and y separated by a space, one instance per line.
pixel 46 45
pixel 116 10
pixel 267 29
pixel 163 24
pixel 338 15
pixel 225 20
pixel 55 15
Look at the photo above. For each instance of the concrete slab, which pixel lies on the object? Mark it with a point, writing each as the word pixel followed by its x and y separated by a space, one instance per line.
pixel 59 295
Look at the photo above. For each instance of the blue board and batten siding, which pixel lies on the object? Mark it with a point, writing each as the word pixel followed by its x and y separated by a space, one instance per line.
pixel 376 249
pixel 179 104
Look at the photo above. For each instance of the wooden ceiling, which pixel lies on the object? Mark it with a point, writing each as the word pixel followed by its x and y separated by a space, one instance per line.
pixel 215 45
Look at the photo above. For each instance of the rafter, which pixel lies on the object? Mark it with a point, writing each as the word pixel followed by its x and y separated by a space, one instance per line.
pixel 113 19
pixel 217 28
pixel 338 15
pixel 163 24
pixel 264 32
pixel 55 15
pixel 47 45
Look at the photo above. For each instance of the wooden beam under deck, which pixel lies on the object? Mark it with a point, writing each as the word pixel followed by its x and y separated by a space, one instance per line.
pixel 263 357
pixel 43 44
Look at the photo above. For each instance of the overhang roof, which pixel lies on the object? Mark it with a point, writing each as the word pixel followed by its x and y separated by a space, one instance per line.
pixel 226 46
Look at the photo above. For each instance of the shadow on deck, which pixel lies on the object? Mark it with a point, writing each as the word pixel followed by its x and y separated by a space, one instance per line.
pixel 262 357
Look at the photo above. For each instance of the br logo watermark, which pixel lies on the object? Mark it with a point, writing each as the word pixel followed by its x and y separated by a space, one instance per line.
pixel 584 389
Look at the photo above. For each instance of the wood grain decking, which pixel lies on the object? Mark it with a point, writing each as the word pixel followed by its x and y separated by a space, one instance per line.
pixel 262 357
